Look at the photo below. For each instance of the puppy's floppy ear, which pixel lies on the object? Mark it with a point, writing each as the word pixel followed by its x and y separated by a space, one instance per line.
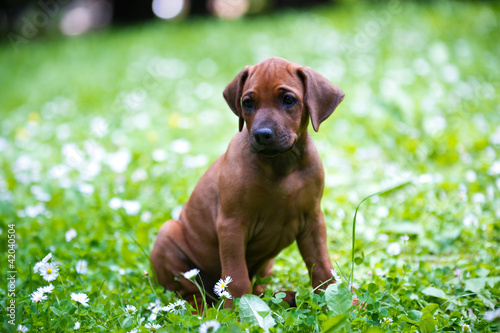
pixel 232 94
pixel 321 96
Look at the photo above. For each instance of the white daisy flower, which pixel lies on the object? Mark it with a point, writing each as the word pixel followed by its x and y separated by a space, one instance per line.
pixel 118 161
pixel 156 304
pixel 470 220
pixel 34 211
pixel 70 234
pixel 221 285
pixel 209 326
pixel 115 203
pixel 387 321
pixel 495 168
pixel 154 313
pixel 81 267
pixel 393 249
pixel 479 198
pixel 191 273
pixel 180 146
pixel 49 271
pixel 77 326
pixel 139 175
pixel 38 296
pixel 382 211
pixel 146 216
pixel 47 289
pixel 130 308
pixel 159 155
pixel 225 294
pixel 152 327
pixel 335 275
pixel 81 298
pixel 424 179
pixel 86 189
pixel 177 307
pixel 470 176
pixel 131 207
pixel 404 238
pixel 155 308
pixel 466 328
pixel 22 328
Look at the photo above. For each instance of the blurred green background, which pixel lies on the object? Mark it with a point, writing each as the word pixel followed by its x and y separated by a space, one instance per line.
pixel 108 132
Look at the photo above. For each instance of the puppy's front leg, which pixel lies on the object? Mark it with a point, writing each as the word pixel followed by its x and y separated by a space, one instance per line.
pixel 312 247
pixel 232 246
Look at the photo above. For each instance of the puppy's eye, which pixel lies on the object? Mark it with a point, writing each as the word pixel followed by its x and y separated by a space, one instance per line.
pixel 289 100
pixel 247 103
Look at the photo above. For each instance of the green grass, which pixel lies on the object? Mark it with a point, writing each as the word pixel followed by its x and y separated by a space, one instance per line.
pixel 421 109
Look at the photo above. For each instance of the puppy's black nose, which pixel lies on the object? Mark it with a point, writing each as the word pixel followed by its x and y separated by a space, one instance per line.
pixel 263 135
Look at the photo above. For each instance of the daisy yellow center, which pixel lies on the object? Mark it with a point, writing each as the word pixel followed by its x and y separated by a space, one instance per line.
pixel 49 271
pixel 223 285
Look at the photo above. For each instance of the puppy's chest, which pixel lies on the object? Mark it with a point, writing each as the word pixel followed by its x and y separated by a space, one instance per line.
pixel 278 217
pixel 272 231
pixel 287 197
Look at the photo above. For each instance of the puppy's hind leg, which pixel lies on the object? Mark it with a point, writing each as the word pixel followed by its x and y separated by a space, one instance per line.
pixel 169 261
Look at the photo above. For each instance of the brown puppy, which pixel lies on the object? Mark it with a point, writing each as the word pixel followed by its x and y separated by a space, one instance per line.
pixel 263 193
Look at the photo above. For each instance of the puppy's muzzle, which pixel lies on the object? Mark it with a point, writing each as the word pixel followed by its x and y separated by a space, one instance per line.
pixel 263 135
pixel 265 141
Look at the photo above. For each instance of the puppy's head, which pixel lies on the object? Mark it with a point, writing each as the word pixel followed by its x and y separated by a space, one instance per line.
pixel 276 98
